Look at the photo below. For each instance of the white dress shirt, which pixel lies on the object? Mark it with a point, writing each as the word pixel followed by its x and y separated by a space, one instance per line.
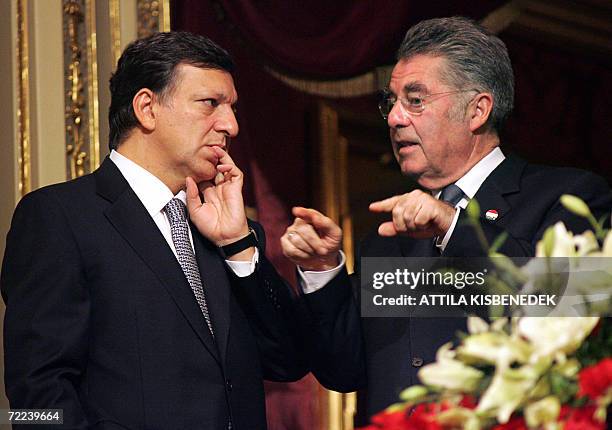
pixel 154 195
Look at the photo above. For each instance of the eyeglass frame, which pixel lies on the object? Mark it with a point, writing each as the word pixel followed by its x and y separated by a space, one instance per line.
pixel 386 91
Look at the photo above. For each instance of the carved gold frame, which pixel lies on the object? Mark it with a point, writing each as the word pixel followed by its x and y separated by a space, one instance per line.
pixel 23 99
pixel 82 126
pixel 153 16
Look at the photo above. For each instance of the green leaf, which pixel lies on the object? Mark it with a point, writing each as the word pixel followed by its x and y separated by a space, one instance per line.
pixel 414 393
pixel 499 241
pixel 473 210
pixel 549 241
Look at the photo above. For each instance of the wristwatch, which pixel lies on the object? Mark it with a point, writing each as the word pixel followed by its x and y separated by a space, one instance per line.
pixel 240 245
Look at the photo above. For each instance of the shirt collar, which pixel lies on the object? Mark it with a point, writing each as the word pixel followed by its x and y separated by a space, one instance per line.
pixel 473 179
pixel 151 191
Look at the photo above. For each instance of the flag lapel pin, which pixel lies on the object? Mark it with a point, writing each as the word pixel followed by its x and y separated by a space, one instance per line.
pixel 491 215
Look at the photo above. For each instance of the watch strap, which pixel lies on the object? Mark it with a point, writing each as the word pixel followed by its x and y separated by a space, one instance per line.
pixel 240 245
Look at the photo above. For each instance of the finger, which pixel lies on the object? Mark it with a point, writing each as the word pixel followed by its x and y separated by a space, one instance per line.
pixel 227 173
pixel 399 216
pixel 193 196
pixel 300 243
pixel 384 205
pixel 291 252
pixel 387 229
pixel 224 157
pixel 310 236
pixel 319 221
pixel 423 217
pixel 209 191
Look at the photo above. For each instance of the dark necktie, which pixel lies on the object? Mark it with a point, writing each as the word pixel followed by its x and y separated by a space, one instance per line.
pixel 177 215
pixel 451 194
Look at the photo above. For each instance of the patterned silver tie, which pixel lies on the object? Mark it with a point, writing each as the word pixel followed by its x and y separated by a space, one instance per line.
pixel 177 215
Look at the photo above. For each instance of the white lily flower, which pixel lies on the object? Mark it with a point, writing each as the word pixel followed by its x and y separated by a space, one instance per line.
pixel 507 391
pixel 451 375
pixel 552 335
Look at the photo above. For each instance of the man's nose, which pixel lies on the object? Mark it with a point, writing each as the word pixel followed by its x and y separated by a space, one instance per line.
pixel 226 121
pixel 398 117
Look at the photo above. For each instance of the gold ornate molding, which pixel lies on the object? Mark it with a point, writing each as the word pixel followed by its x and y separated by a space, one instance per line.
pixel 165 16
pixel 153 16
pixel 82 128
pixel 23 98
pixel 114 12
pixel 92 85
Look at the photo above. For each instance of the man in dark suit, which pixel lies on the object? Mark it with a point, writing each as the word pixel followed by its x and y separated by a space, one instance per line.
pixel 123 311
pixel 449 95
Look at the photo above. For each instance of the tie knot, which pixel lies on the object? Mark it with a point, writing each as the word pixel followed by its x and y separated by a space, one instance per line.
pixel 176 211
pixel 451 194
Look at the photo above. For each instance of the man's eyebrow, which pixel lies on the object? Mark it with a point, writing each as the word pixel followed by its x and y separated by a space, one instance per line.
pixel 219 96
pixel 414 87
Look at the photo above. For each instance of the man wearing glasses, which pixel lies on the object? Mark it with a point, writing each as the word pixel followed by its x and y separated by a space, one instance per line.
pixel 449 95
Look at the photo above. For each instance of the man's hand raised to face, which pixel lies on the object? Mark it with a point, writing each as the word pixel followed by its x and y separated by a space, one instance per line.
pixel 416 214
pixel 312 241
pixel 221 217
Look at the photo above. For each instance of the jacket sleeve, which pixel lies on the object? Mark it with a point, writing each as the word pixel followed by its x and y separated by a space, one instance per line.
pixel 47 311
pixel 270 306
pixel 332 333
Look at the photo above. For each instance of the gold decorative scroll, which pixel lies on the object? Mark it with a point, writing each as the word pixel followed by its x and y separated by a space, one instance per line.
pixel 23 99
pixel 82 129
pixel 153 16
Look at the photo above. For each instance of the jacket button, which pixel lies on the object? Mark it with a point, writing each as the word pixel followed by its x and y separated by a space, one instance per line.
pixel 228 385
pixel 417 361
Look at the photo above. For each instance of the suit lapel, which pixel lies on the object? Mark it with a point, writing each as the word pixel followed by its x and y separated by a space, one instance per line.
pixel 216 287
pixel 132 221
pixel 504 180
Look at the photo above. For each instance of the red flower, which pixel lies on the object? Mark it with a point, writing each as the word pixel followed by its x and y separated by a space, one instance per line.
pixel 581 419
pixel 516 423
pixel 422 417
pixel 391 420
pixel 595 380
pixel 468 402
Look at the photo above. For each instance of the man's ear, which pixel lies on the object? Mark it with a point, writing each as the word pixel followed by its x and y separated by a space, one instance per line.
pixel 479 110
pixel 142 103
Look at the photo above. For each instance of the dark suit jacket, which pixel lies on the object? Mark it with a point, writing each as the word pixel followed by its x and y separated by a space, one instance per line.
pixel 101 321
pixel 527 199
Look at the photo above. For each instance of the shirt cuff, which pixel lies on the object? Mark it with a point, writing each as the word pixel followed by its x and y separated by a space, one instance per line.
pixel 441 244
pixel 311 281
pixel 242 269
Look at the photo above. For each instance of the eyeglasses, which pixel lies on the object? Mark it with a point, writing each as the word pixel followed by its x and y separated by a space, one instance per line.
pixel 413 104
